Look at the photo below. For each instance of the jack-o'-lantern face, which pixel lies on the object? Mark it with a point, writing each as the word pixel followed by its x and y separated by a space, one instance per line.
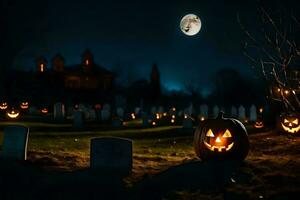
pixel 258 124
pixel 13 114
pixel 24 105
pixel 290 124
pixel 44 110
pixel 220 142
pixel 3 106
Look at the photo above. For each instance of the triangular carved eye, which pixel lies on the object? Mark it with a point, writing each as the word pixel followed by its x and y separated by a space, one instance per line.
pixel 295 121
pixel 210 133
pixel 227 134
pixel 286 121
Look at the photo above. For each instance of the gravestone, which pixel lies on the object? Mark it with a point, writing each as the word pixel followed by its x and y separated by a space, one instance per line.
pixel 187 122
pixel 153 110
pixel 190 110
pixel 120 112
pixel 105 112
pixel 242 113
pixel 145 119
pixel 204 111
pixel 78 122
pixel 216 111
pixel 137 110
pixel 117 122
pixel 15 142
pixel 111 154
pixel 160 109
pixel 92 115
pixel 32 110
pixel 253 113
pixel 59 112
pixel 233 111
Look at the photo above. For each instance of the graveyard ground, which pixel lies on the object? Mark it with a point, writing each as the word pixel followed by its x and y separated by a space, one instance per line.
pixel 271 170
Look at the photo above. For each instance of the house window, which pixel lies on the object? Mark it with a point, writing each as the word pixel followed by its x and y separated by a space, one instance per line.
pixel 42 67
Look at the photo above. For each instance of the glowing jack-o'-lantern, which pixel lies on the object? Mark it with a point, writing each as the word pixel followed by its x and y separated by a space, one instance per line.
pixel 13 114
pixel 24 105
pixel 44 110
pixel 290 123
pixel 3 106
pixel 258 124
pixel 221 138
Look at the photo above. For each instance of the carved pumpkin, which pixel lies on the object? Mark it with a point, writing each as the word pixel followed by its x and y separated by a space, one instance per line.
pixel 24 105
pixel 3 106
pixel 44 110
pixel 221 138
pixel 13 113
pixel 258 124
pixel 290 123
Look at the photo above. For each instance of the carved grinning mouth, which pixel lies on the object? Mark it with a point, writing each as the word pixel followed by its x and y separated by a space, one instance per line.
pixel 290 129
pixel 218 148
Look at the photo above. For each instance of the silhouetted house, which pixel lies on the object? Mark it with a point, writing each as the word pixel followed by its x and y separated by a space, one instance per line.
pixel 84 76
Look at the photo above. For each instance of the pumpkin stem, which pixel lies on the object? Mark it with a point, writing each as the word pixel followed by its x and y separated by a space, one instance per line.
pixel 220 115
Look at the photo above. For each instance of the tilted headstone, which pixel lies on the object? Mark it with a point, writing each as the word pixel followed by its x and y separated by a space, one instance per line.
pixel 253 113
pixel 78 121
pixel 112 154
pixel 59 111
pixel 204 110
pixel 216 111
pixel 233 111
pixel 15 142
pixel 242 113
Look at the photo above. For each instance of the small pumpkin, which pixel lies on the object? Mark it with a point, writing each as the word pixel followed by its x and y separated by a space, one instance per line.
pixel 13 113
pixel 221 138
pixel 290 123
pixel 258 124
pixel 24 105
pixel 3 106
pixel 44 110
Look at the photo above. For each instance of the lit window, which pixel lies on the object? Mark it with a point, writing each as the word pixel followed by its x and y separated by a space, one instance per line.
pixel 42 67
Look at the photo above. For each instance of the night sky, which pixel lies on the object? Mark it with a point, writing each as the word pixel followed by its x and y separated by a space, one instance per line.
pixel 128 36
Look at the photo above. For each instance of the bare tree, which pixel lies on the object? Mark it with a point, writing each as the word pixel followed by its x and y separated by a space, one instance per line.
pixel 273 50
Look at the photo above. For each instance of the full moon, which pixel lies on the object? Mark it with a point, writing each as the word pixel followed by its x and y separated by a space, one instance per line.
pixel 190 24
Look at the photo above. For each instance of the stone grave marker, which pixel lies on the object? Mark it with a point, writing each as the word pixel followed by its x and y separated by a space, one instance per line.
pixel 111 154
pixel 145 119
pixel 187 122
pixel 117 122
pixel 233 111
pixel 204 111
pixel 120 112
pixel 78 120
pixel 216 111
pixel 59 111
pixel 105 112
pixel 242 113
pixel 15 142
pixel 253 113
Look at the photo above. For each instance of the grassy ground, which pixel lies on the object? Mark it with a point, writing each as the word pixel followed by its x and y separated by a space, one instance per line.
pixel 271 170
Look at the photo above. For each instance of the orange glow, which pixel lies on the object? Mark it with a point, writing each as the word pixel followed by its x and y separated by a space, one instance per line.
pixel 202 118
pixel 172 121
pixel 13 114
pixel 261 110
pixel 24 105
pixel 153 123
pixel 132 115
pixel 286 92
pixel 42 67
pixel 3 106
pixel 44 110
pixel 87 62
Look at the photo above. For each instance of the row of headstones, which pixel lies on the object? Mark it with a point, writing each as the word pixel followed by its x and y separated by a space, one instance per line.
pixel 105 113
pixel 109 153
